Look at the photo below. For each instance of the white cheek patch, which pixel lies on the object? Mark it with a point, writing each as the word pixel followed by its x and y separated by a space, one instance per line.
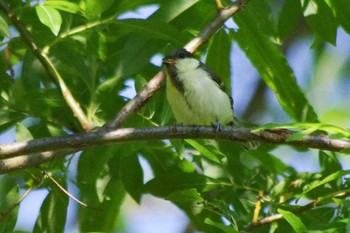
pixel 186 64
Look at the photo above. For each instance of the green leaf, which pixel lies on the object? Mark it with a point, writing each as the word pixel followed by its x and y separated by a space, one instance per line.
pixel 4 28
pixel 218 58
pixel 329 162
pixel 272 66
pixel 153 29
pixel 169 10
pixel 94 8
pixel 186 166
pixel 98 176
pixel 207 150
pixel 9 117
pixel 22 133
pixel 132 175
pixel 289 17
pixel 293 220
pixel 331 177
pixel 172 181
pixel 53 213
pixel 341 9
pixel 321 19
pixel 50 17
pixel 185 197
pixel 222 227
pixel 9 195
pixel 127 5
pixel 64 5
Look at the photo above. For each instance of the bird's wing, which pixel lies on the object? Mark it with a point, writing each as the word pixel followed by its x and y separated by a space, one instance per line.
pixel 216 79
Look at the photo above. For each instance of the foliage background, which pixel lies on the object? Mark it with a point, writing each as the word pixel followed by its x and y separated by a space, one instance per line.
pixel 285 61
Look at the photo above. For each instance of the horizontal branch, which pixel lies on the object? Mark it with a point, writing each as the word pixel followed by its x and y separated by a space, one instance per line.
pixel 76 142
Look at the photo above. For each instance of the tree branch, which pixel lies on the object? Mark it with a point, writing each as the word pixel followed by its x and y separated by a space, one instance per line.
pixel 48 66
pixel 15 155
pixel 154 84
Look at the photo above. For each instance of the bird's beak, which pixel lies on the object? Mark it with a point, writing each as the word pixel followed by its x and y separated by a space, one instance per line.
pixel 169 61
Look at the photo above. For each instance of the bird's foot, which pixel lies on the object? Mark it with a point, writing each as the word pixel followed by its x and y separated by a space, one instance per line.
pixel 217 126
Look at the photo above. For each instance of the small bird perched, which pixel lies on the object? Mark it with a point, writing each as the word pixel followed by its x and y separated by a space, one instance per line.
pixel 196 95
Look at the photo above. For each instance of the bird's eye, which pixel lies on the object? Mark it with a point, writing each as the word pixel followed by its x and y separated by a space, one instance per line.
pixel 182 55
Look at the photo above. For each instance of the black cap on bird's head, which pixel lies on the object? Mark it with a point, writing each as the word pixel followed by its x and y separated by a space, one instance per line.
pixel 175 55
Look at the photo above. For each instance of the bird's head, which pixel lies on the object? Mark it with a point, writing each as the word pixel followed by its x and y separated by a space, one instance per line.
pixel 181 60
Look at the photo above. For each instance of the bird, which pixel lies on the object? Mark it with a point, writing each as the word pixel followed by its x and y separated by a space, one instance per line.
pixel 196 95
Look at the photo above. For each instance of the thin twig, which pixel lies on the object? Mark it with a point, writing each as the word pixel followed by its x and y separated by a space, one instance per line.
pixel 155 83
pixel 63 189
pixel 48 66
pixel 73 143
pixel 6 212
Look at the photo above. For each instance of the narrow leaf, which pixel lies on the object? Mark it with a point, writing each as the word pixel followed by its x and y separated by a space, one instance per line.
pixel 153 29
pixel 132 175
pixel 333 176
pixel 52 216
pixel 9 117
pixel 222 227
pixel 272 66
pixel 341 10
pixel 290 15
pixel 169 10
pixel 293 220
pixel 9 195
pixel 64 6
pixel 4 28
pixel 204 150
pixel 321 19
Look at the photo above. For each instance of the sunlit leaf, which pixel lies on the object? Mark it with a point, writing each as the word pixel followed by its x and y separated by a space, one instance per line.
pixel 207 151
pixel 187 196
pixel 94 8
pixel 171 9
pixel 333 176
pixel 4 28
pixel 50 17
pixel 64 6
pixel 293 220
pixel 22 133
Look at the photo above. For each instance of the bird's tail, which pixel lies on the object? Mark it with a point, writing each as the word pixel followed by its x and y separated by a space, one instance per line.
pixel 251 145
